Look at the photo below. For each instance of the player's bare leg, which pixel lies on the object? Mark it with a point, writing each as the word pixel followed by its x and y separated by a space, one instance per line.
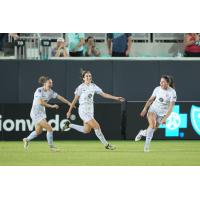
pixel 34 134
pixel 95 125
pixel 152 125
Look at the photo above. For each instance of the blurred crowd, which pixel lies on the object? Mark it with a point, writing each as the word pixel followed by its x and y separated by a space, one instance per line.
pixel 119 45
pixel 77 45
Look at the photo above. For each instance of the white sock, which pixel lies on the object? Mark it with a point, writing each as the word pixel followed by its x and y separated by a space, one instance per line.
pixel 101 137
pixel 149 137
pixel 144 133
pixel 50 138
pixel 32 136
pixel 77 127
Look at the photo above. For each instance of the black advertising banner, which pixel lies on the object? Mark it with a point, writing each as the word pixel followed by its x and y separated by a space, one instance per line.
pixel 183 123
pixel 15 122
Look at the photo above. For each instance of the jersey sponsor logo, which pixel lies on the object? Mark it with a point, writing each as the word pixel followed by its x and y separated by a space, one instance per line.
pixel 89 96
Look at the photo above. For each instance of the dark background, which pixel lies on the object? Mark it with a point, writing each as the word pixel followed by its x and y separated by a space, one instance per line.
pixel 107 114
pixel 134 80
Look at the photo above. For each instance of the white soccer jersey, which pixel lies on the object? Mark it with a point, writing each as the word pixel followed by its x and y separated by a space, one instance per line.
pixel 163 99
pixel 86 95
pixel 40 93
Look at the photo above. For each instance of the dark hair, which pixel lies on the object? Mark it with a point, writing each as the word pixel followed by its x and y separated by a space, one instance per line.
pixel 83 72
pixel 43 79
pixel 89 37
pixel 169 80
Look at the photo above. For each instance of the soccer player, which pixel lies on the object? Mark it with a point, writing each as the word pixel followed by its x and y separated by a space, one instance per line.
pixel 85 94
pixel 38 113
pixel 158 108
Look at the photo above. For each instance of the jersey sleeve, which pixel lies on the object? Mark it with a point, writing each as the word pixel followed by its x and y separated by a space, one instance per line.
pixel 98 90
pixel 54 94
pixel 155 92
pixel 38 94
pixel 78 91
pixel 173 97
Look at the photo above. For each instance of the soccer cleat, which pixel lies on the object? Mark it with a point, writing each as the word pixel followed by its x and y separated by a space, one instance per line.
pixel 66 126
pixel 54 148
pixel 26 143
pixel 139 136
pixel 110 147
pixel 146 149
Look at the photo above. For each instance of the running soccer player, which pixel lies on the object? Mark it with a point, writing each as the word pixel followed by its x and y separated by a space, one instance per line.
pixel 85 94
pixel 160 106
pixel 38 113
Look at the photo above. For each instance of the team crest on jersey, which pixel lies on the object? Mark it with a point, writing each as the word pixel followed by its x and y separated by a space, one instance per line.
pixel 195 118
pixel 89 96
pixel 161 99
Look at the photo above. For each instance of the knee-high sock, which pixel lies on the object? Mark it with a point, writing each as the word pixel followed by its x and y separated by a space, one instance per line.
pixel 144 133
pixel 50 138
pixel 77 127
pixel 32 136
pixel 149 137
pixel 101 137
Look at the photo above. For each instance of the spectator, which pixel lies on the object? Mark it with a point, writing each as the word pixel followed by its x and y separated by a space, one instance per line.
pixel 192 45
pixel 119 44
pixel 90 49
pixel 3 39
pixel 6 43
pixel 60 50
pixel 15 36
pixel 76 42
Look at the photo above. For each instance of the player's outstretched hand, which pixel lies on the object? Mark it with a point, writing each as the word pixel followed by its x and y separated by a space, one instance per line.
pixel 68 115
pixel 143 113
pixel 55 106
pixel 121 99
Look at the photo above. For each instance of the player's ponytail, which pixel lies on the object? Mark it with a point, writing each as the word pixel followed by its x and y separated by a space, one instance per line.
pixel 169 79
pixel 43 79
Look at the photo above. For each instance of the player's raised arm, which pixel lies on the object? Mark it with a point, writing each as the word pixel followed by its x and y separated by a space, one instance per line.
pixel 62 99
pixel 44 103
pixel 72 106
pixel 109 96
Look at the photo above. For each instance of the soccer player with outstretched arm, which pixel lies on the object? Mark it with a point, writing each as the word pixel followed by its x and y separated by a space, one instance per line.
pixel 158 108
pixel 85 94
pixel 38 113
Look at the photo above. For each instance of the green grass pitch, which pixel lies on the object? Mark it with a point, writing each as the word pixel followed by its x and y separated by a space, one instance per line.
pixel 92 153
